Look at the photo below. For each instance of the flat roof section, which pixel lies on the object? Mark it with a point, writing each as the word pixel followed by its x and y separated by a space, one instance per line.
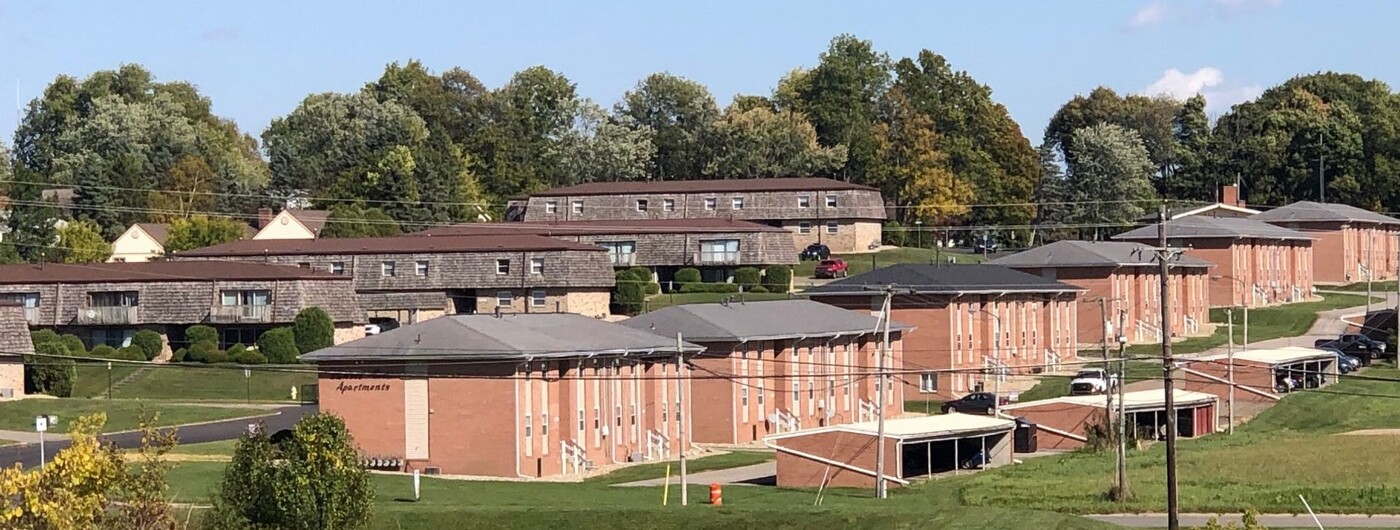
pixel 941 279
pixel 1286 355
pixel 1136 400
pixel 952 425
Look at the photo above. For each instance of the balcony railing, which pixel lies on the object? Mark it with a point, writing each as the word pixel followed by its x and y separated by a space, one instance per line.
pixel 623 259
pixel 31 315
pixel 109 315
pixel 717 258
pixel 228 314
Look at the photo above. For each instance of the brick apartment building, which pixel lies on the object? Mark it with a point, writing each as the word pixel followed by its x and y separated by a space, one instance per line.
pixel 14 345
pixel 846 217
pixel 1256 263
pixel 983 321
pixel 412 279
pixel 1350 240
pixel 108 303
pixel 511 395
pixel 1127 278
pixel 715 246
pixel 778 366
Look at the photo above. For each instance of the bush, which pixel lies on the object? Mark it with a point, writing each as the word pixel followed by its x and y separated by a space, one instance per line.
pixel 747 277
pixel 131 353
pixel 216 357
pixel 653 289
pixel 709 288
pixel 777 278
pixel 894 234
pixel 688 275
pixel 249 357
pixel 104 351
pixel 42 336
pixel 150 342
pixel 199 352
pixel 74 344
pixel 313 330
pixel 279 345
pixel 178 356
pixel 234 350
pixel 628 294
pixel 197 334
pixel 758 289
pixel 48 372
pixel 642 274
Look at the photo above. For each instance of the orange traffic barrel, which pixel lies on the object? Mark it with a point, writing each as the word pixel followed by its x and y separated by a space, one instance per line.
pixel 716 494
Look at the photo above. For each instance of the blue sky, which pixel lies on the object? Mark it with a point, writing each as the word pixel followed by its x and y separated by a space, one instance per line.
pixel 257 59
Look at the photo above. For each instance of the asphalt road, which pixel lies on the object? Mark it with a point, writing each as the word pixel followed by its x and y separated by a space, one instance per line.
pixel 282 418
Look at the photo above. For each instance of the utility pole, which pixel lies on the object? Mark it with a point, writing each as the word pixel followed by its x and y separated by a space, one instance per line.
pixel 1369 262
pixel 1321 188
pixel 880 487
pixel 1164 256
pixel 1123 493
pixel 680 424
pixel 1230 371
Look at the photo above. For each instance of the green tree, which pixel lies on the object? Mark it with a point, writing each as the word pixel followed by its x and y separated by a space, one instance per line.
pixel 187 189
pixel 279 345
pixel 355 220
pixel 48 371
pixel 82 242
pixel 313 330
pixel 680 114
pixel 201 231
pixel 529 114
pixel 777 278
pixel 32 218
pixel 910 168
pixel 330 141
pixel 1153 118
pixel 1111 162
pixel 599 148
pixel 759 143
pixel 1193 176
pixel 840 97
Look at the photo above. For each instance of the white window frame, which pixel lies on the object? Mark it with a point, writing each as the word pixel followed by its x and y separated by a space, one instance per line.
pixel 502 267
pixel 642 205
pixel 337 268
pixel 668 205
pixel 420 268
pixel 832 227
pixel 577 206
pixel 736 203
pixel 928 382
pixel 804 201
pixel 387 269
pixel 830 201
pixel 536 265
pixel 509 298
pixel 538 298
pixel 804 227
pixel 711 203
pixel 551 207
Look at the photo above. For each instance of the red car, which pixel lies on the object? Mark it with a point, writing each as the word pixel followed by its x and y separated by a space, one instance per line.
pixel 831 268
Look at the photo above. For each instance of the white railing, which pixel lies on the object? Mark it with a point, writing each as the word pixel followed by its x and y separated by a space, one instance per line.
pixel 995 367
pixel 1261 295
pixel 1052 360
pixel 658 445
pixel 627 259
pixel 786 422
pixel 717 258
pixel 1298 294
pixel 1192 326
pixel 108 315
pixel 573 456
pixel 1151 330
pixel 241 313
pixel 867 410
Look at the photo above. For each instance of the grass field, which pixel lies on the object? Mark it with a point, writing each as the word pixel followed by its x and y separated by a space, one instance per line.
pixel 200 382
pixel 708 463
pixel 666 300
pixel 1264 323
pixel 1290 449
pixel 93 378
pixel 860 263
pixel 1360 287
pixel 1053 386
pixel 121 415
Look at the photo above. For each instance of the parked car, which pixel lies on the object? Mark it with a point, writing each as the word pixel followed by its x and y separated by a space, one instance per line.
pixel 1285 383
pixel 1092 381
pixel 1346 363
pixel 974 403
pixel 815 251
pixel 985 245
pixel 1354 344
pixel 832 268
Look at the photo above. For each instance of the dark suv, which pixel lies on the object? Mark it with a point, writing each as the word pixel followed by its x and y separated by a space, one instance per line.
pixel 815 251
pixel 974 403
pixel 1355 345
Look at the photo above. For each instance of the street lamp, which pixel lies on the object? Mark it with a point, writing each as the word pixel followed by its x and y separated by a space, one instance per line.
pixel 1230 351
pixel 919 232
pixel 996 357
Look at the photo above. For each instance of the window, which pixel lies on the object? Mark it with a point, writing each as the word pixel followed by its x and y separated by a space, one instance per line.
pixel 544 424
pixel 621 253
pixel 304 265
pixel 737 203
pixel 641 205
pixel 831 227
pixel 719 251
pixel 617 414
pixel 664 412
pixel 580 421
pixel 760 396
pixel 578 206
pixel 502 266
pixel 634 415
pixel 503 298
pixel 928 383
pixel 536 265
pixel 796 393
pixel 804 227
pixel 678 411
pixel 529 426
pixel 668 205
pixel 386 269
pixel 598 418
pixel 244 298
pixel 338 267
pixel 744 396
pixel 804 201
pixel 537 298
pixel 830 201
pixel 710 203
pixel 28 300
pixel 551 207
pixel 114 299
pixel 420 268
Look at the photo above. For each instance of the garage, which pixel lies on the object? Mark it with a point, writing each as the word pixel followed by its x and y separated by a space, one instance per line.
pixel 845 455
pixel 1063 423
pixel 1261 375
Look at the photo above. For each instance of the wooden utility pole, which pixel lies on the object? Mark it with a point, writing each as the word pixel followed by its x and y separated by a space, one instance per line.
pixel 680 406
pixel 1123 493
pixel 880 488
pixel 1164 256
pixel 1230 369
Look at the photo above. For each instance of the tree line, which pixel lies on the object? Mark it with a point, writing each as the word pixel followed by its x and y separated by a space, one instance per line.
pixel 415 148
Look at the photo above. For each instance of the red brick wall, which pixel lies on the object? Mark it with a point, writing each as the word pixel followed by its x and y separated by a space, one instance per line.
pixel 1259 377
pixel 1071 418
pixel 853 449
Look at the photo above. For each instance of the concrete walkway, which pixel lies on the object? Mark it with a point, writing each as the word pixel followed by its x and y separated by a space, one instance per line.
pixel 1188 520
pixel 30 437
pixel 746 475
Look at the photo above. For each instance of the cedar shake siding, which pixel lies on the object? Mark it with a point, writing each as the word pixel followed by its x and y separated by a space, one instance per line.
pixel 14 345
pixel 1350 241
pixel 804 206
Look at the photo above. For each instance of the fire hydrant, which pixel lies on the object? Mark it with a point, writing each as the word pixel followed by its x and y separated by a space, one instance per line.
pixel 716 494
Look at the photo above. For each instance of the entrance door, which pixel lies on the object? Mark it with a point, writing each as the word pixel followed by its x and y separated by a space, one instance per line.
pixel 463 302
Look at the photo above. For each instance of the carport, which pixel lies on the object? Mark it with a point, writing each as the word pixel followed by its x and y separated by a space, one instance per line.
pixel 845 455
pixel 1063 423
pixel 1259 374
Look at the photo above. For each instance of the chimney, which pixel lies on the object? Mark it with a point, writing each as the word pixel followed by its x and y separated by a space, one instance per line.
pixel 1230 195
pixel 264 217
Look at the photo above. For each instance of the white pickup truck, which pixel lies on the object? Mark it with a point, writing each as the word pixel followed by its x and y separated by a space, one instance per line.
pixel 1092 381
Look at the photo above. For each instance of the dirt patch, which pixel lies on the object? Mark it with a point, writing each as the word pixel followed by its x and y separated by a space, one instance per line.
pixel 1371 432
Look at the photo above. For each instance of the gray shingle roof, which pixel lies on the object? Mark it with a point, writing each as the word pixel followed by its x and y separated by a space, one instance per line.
pixel 14 332
pixel 510 337
pixel 767 320
pixel 1321 212
pixel 1214 227
pixel 1091 254
pixel 943 279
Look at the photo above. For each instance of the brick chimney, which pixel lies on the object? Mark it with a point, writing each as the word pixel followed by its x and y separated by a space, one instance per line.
pixel 264 217
pixel 1230 195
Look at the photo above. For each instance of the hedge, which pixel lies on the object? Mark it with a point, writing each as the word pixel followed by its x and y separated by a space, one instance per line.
pixel 748 277
pixel 216 357
pixel 104 351
pixel 48 373
pixel 150 342
pixel 43 336
pixel 250 357
pixel 758 289
pixel 199 352
pixel 709 288
pixel 131 353
pixel 777 278
pixel 279 345
pixel 628 294
pixel 688 275
pixel 74 344
pixel 197 334
pixel 894 234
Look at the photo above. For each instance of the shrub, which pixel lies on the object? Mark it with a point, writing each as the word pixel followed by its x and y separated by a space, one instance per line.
pixel 894 234
pixel 249 357
pixel 216 357
pixel 747 277
pixel 196 334
pixel 104 351
pixel 688 275
pixel 42 336
pixel 653 288
pixel 777 278
pixel 199 351
pixel 178 356
pixel 709 288
pixel 643 276
pixel 758 289
pixel 131 353
pixel 279 345
pixel 628 295
pixel 313 330
pixel 234 350
pixel 48 372
pixel 150 342
pixel 74 344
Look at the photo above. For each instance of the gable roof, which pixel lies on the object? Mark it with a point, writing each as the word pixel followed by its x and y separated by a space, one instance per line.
pixel 14 331
pixel 767 320
pixel 942 279
pixel 1200 209
pixel 157 271
pixel 1321 212
pixel 1074 253
pixel 313 220
pixel 386 245
pixel 509 337
pixel 704 186
pixel 159 232
pixel 601 228
pixel 1214 227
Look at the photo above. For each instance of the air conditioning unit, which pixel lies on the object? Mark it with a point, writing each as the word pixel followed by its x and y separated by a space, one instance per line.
pixel 605 431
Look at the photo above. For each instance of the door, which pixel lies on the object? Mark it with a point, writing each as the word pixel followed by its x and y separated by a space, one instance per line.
pixel 415 419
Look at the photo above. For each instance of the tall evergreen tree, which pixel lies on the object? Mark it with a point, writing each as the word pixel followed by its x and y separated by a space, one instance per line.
pixel 32 218
pixel 840 96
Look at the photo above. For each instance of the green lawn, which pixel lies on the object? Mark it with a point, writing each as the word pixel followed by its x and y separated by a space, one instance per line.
pixel 1264 323
pixel 860 263
pixel 1376 287
pixel 666 300
pixel 200 382
pixel 1053 386
pixel 93 378
pixel 1288 450
pixel 923 406
pixel 708 463
pixel 224 447
pixel 121 415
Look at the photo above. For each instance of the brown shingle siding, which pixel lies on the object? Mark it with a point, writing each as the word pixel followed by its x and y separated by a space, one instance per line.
pixel 190 302
pixel 757 206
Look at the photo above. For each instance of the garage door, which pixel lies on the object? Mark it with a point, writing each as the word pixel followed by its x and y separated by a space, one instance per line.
pixel 415 418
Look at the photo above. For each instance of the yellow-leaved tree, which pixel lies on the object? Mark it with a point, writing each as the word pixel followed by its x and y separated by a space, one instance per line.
pixel 912 170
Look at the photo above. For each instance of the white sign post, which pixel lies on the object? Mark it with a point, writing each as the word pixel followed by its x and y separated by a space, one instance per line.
pixel 41 424
pixel 415 485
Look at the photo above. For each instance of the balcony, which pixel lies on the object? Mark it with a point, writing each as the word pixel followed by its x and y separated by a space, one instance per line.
pixel 717 258
pixel 235 314
pixel 109 315
pixel 31 315
pixel 628 259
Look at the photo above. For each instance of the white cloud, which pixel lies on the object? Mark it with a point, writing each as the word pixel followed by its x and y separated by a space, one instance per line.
pixel 1207 81
pixel 1150 14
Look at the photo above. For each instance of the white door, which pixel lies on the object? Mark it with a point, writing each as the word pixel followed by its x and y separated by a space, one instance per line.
pixel 415 419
